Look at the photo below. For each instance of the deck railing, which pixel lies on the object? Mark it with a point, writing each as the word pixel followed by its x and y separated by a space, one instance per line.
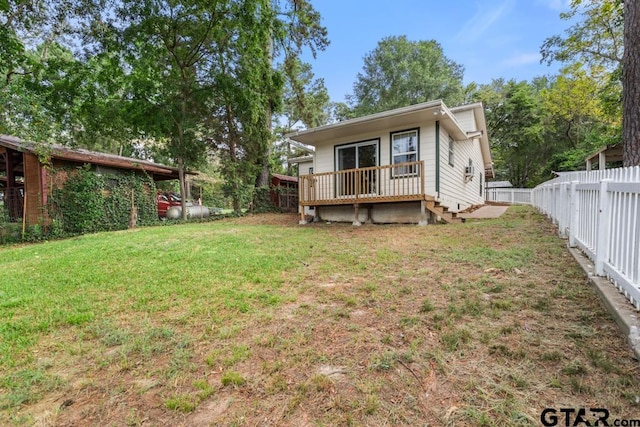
pixel 388 183
pixel 599 212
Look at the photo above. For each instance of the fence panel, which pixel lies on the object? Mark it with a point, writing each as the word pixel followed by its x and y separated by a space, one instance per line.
pixel 599 212
pixel 515 196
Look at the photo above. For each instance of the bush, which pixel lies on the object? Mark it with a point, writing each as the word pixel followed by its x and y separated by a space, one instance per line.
pixel 10 233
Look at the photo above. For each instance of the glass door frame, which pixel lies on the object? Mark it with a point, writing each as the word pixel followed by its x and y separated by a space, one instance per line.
pixel 339 186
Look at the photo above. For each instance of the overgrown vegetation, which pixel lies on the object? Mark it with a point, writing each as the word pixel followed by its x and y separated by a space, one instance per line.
pixel 91 202
pixel 259 321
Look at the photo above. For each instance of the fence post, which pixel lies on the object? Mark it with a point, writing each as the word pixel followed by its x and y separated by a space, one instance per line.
pixel 561 212
pixel 554 209
pixel 604 214
pixel 573 214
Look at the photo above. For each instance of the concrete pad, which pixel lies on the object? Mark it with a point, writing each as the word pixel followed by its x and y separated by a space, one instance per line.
pixel 485 212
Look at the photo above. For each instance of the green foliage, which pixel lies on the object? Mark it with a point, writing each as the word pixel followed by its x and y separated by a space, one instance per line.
pixel 305 99
pixel 262 200
pixel 549 124
pixel 10 232
pixel 399 72
pixel 91 202
pixel 595 39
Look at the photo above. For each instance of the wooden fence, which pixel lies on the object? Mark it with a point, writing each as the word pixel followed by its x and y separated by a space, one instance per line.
pixel 599 212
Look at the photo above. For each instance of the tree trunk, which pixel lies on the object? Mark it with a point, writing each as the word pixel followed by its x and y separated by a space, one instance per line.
pixel 262 180
pixel 183 200
pixel 631 85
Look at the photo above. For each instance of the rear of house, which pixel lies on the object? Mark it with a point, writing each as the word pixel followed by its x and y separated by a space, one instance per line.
pixel 416 164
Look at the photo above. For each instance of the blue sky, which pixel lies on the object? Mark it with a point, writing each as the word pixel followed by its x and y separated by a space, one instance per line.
pixel 490 38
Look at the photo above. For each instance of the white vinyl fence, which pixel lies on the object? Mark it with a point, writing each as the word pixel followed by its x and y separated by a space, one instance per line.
pixel 515 196
pixel 599 212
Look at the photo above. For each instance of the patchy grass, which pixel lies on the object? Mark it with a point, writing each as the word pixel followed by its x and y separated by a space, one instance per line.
pixel 258 321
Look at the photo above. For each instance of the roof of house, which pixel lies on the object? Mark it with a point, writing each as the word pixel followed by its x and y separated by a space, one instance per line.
pixel 301 159
pixel 93 157
pixel 285 178
pixel 478 112
pixel 383 121
pixel 499 184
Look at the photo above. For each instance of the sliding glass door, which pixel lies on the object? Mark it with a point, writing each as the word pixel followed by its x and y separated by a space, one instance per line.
pixel 356 156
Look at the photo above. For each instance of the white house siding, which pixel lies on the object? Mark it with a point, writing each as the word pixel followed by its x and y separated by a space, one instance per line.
pixel 325 157
pixel 303 169
pixel 325 154
pixel 455 192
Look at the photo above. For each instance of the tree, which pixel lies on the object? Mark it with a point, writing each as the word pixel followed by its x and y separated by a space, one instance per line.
pixel 399 72
pixel 515 128
pixel 168 46
pixel 294 25
pixel 305 99
pixel 631 85
pixel 576 115
pixel 596 39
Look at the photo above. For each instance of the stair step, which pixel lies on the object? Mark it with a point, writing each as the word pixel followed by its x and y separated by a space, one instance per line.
pixel 443 212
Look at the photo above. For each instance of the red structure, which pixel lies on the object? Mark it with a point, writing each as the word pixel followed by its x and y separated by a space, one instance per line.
pixel 26 182
pixel 284 192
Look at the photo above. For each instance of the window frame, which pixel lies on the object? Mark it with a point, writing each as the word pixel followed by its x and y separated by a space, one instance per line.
pixel 451 152
pixel 336 160
pixel 393 154
pixel 336 148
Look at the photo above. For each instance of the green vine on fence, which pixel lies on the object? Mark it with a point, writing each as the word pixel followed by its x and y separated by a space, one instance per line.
pixel 91 202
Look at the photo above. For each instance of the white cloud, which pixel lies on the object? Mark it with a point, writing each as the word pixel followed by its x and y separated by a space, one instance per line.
pixel 520 59
pixel 483 19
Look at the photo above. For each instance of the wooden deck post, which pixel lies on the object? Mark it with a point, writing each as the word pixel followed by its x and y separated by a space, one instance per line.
pixel 356 220
pixel 301 182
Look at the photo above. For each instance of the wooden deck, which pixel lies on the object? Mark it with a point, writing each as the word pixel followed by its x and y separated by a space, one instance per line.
pixel 401 182
pixel 379 184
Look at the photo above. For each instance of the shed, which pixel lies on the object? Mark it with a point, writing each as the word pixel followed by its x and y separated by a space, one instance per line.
pixel 284 192
pixel 26 182
pixel 611 154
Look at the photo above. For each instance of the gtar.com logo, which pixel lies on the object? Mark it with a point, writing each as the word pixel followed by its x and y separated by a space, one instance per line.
pixel 582 417
pixel 574 417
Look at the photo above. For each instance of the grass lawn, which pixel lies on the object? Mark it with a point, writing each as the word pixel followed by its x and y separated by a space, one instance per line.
pixel 259 321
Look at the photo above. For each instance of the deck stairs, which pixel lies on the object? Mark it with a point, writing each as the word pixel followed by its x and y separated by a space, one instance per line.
pixel 443 212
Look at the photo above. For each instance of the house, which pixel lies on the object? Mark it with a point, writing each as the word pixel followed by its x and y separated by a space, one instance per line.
pixel 26 182
pixel 416 164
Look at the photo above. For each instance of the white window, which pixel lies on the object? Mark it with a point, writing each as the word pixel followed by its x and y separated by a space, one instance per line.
pixel 450 151
pixel 404 149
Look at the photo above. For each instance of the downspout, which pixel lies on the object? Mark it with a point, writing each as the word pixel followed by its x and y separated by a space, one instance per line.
pixel 437 159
